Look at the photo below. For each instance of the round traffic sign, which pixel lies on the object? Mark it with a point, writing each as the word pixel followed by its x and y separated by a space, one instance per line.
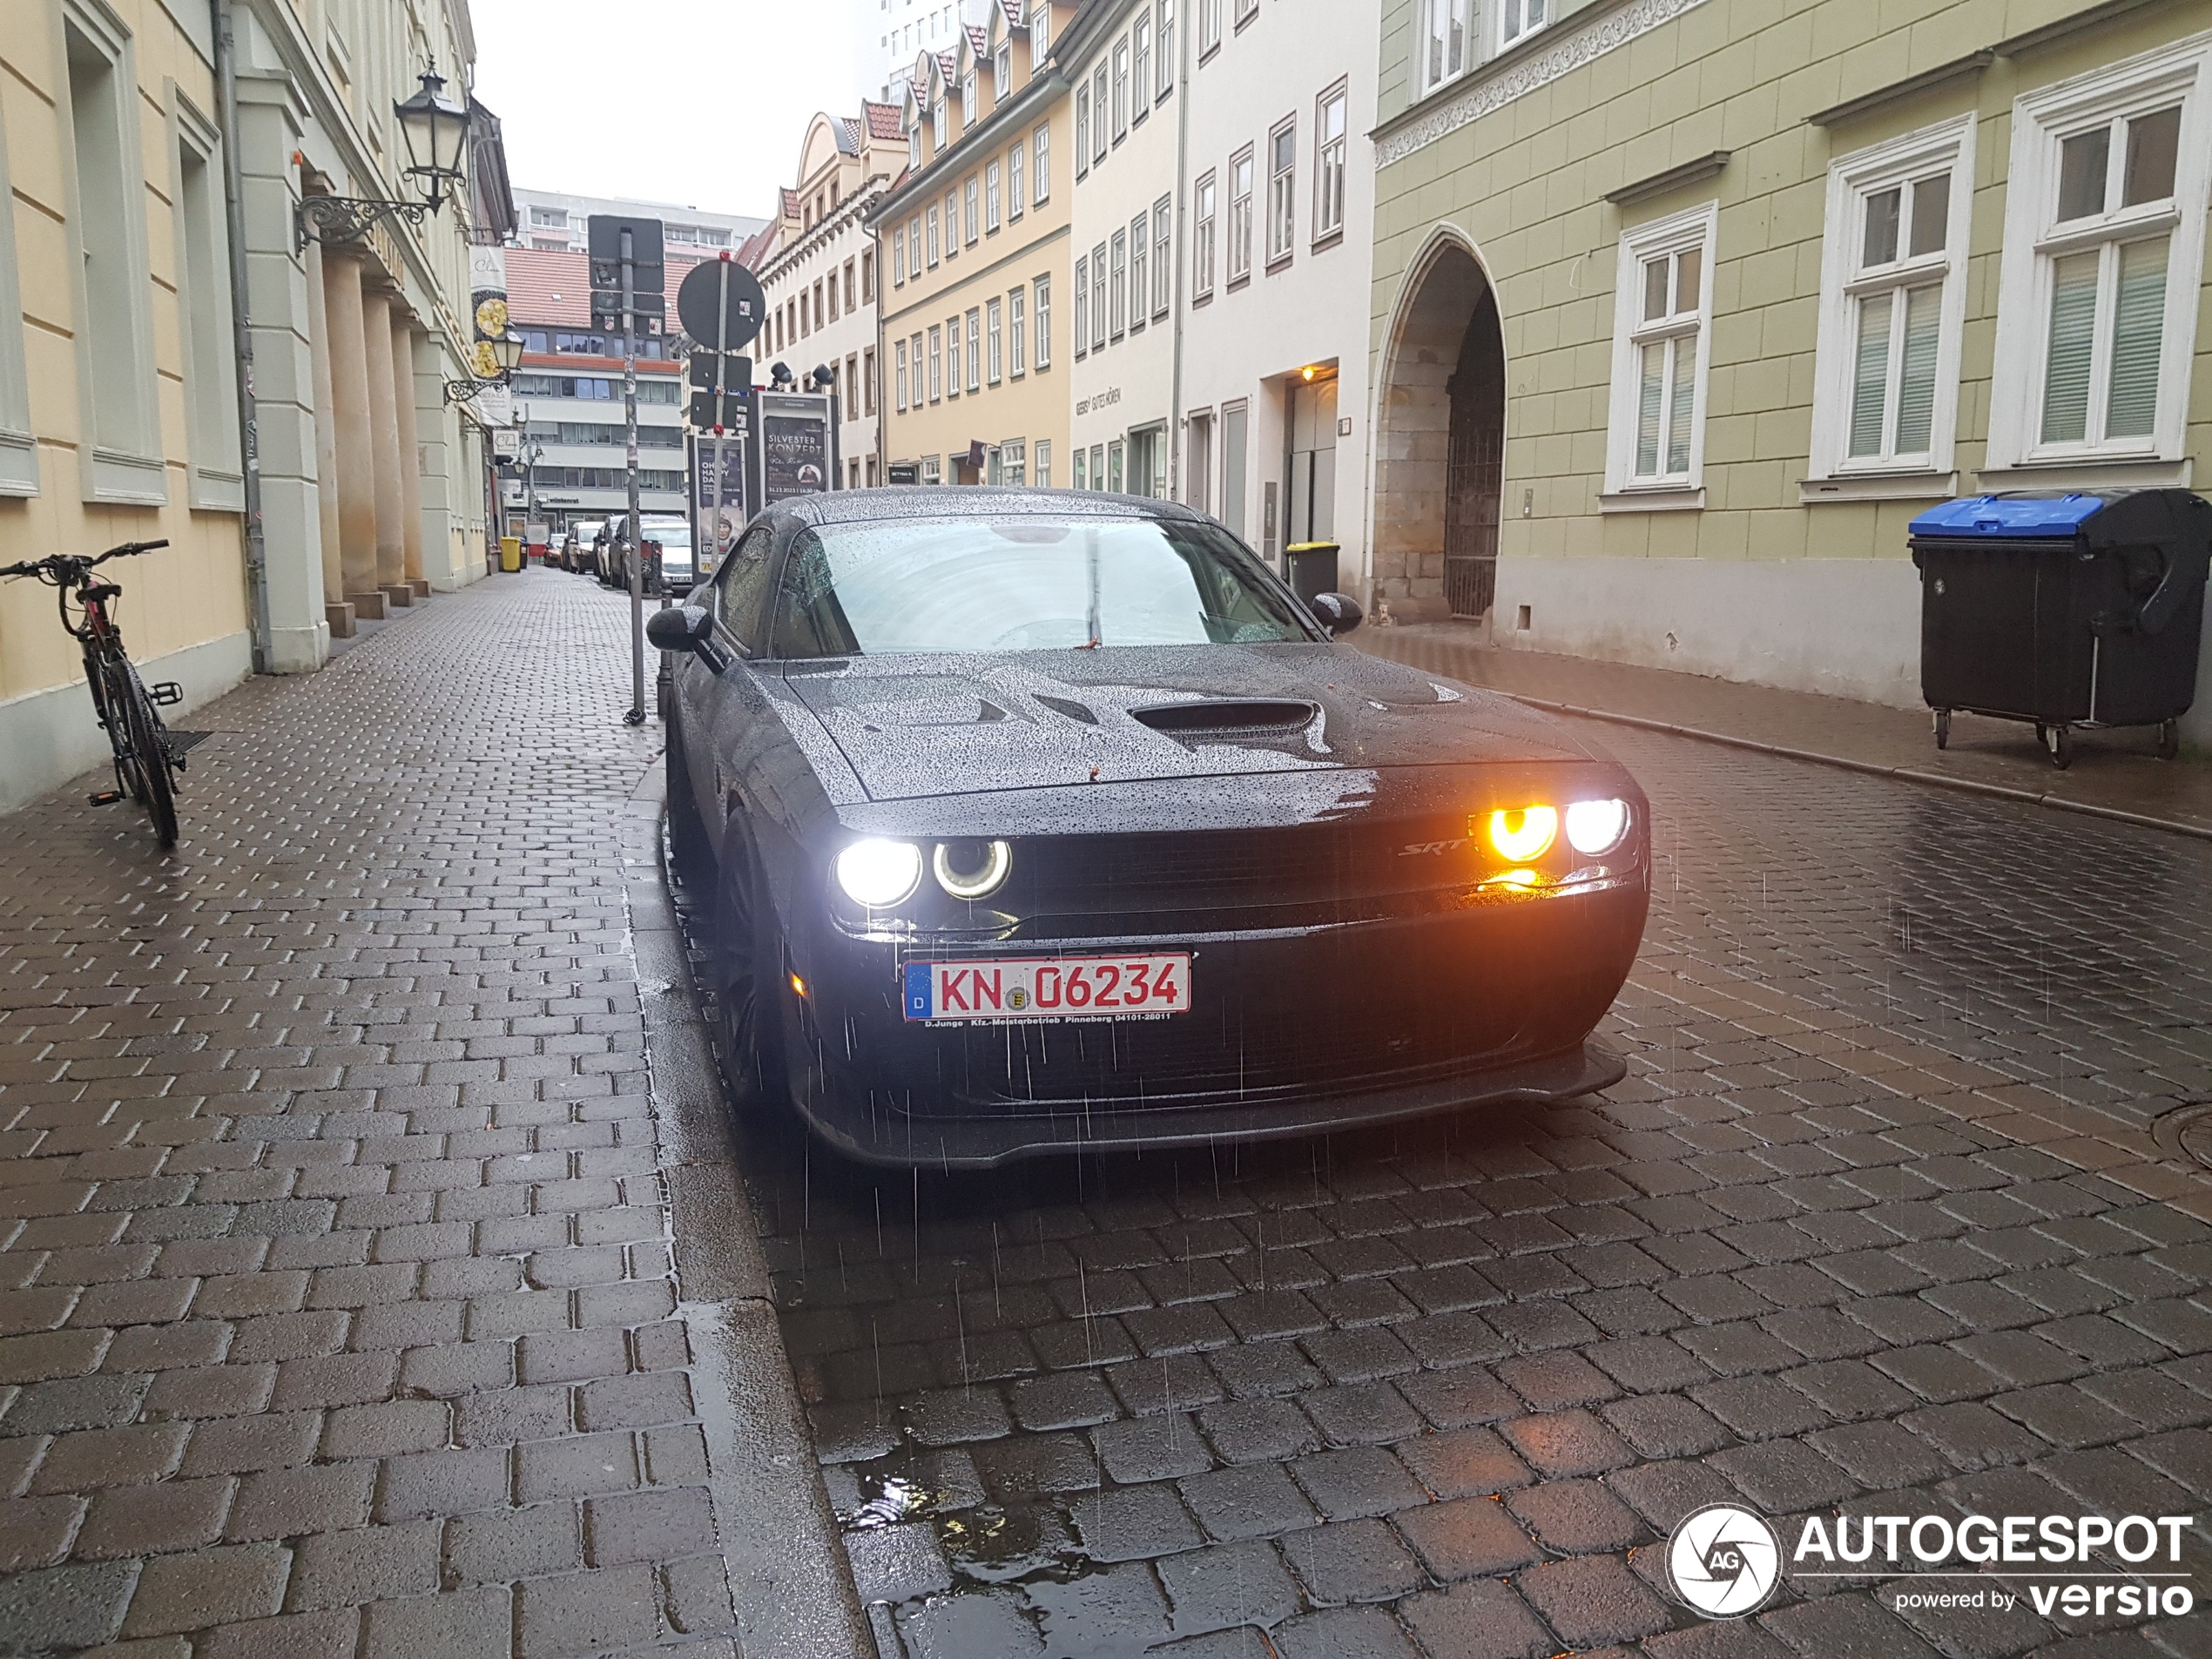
pixel 720 304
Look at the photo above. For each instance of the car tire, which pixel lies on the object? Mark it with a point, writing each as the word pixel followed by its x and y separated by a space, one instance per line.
pixel 687 843
pixel 747 969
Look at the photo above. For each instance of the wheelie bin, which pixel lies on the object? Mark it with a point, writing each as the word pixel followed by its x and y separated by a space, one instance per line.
pixel 2068 610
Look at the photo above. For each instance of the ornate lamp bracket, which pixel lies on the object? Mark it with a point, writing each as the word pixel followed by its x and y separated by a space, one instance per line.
pixel 335 219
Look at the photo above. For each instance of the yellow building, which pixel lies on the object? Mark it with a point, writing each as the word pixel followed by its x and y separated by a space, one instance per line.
pixel 975 245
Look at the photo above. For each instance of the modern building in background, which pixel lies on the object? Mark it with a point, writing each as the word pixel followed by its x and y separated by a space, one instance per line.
pixel 551 220
pixel 1770 281
pixel 119 354
pixel 817 269
pixel 906 29
pixel 976 247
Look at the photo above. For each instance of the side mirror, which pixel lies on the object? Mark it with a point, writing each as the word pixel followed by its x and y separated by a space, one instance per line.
pixel 681 628
pixel 1339 612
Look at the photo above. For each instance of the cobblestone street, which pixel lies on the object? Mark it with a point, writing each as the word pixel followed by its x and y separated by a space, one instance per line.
pixel 1893 1217
pixel 362 1262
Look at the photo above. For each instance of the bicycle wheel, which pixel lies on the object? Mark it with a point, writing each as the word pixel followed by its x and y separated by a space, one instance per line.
pixel 150 756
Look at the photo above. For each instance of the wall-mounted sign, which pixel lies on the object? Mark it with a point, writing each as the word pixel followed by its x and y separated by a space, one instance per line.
pixel 798 444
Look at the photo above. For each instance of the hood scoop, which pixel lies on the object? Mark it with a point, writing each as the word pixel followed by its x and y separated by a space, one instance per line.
pixel 1209 716
pixel 1068 707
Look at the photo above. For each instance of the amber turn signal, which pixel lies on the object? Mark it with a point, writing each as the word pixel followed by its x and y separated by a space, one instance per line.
pixel 1519 834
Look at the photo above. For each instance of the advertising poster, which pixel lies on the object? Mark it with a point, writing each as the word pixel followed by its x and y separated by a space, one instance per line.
pixel 488 310
pixel 731 454
pixel 795 441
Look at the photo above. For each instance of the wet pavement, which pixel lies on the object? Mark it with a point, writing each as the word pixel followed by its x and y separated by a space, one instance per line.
pixel 1894 1215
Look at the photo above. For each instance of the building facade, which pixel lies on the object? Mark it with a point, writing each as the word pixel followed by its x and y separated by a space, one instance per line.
pixel 909 27
pixel 1279 210
pixel 1125 161
pixel 1683 308
pixel 568 396
pixel 817 266
pixel 554 222
pixel 976 245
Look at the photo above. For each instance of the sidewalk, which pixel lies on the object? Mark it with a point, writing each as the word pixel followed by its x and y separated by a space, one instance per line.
pixel 2114 773
pixel 343 1307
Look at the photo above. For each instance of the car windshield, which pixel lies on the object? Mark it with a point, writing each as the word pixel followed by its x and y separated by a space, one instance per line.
pixel 956 585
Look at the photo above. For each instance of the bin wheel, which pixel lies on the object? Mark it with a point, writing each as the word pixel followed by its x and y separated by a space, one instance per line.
pixel 1942 728
pixel 2169 740
pixel 2058 744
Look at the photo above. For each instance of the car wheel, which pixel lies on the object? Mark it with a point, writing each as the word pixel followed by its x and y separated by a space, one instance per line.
pixel 747 964
pixel 686 833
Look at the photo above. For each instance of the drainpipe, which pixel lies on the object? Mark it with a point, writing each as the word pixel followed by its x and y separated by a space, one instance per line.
pixel 257 560
pixel 1178 434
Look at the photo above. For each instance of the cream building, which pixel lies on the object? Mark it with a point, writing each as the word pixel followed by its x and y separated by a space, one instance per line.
pixel 816 265
pixel 1683 308
pixel 1122 68
pixel 975 240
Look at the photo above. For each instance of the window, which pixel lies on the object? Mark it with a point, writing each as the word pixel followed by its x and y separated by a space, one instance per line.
pixel 1446 53
pixel 991 198
pixel 1082 477
pixel 993 342
pixel 1098 109
pixel 937 124
pixel 1662 308
pixel 1083 132
pixel 1282 205
pixel 1083 305
pixel 114 360
pixel 1121 88
pixel 951 334
pixel 1328 164
pixel 203 299
pixel 1118 289
pixel 969 194
pixel 933 236
pixel 914 247
pixel 899 383
pixel 974 350
pixel 1017 180
pixel 852 385
pixel 1208 28
pixel 1113 465
pixel 1246 10
pixel 2103 252
pixel 1041 175
pixel 1162 235
pixel 1039 35
pixel 1012 458
pixel 913 145
pixel 851 286
pixel 937 363
pixel 1042 463
pixel 1014 365
pixel 1201 239
pixel 1240 217
pixel 1140 67
pixel 952 223
pixel 1892 303
pixel 868 382
pixel 1167 47
pixel 1137 249
pixel 867 276
pixel 932 470
pixel 1002 70
pixel 1098 298
pixel 1518 19
pixel 1198 462
pixel 969 112
pixel 1040 290
pixel 914 401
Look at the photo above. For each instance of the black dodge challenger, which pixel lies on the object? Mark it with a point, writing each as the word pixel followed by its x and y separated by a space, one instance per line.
pixel 1045 822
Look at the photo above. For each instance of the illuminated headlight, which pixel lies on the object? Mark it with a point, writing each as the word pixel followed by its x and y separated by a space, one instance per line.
pixel 879 874
pixel 973 883
pixel 1525 832
pixel 1595 827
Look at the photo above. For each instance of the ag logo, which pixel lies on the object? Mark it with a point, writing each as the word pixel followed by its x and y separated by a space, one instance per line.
pixel 1725 1561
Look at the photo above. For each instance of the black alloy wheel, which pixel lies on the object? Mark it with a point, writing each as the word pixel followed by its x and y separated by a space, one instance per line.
pixel 747 987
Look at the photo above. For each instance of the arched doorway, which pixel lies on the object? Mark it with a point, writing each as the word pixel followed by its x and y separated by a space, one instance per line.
pixel 1438 472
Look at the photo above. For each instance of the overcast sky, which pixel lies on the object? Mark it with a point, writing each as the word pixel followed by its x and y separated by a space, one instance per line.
pixel 700 103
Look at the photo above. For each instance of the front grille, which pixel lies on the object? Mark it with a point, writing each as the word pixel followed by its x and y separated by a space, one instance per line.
pixel 1316 864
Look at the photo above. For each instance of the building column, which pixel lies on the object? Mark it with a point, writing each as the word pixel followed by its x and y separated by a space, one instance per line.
pixel 403 396
pixel 384 448
pixel 345 315
pixel 338 612
pixel 440 427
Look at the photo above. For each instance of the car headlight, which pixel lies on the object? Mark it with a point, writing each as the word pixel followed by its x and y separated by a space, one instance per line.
pixel 974 883
pixel 1524 833
pixel 1595 827
pixel 879 874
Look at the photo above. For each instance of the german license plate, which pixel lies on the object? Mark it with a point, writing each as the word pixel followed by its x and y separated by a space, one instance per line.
pixel 1047 987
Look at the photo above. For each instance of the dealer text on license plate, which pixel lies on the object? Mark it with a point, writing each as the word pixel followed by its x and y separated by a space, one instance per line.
pixel 1049 987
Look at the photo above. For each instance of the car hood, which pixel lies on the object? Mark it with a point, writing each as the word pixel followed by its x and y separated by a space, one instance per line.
pixel 915 727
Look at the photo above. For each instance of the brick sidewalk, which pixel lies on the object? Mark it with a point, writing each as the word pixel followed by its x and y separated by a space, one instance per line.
pixel 2112 771
pixel 338 1314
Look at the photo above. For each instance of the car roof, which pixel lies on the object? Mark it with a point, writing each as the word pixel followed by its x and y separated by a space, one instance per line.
pixel 936 501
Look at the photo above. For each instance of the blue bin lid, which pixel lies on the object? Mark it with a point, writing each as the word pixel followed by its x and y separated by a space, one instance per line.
pixel 2015 515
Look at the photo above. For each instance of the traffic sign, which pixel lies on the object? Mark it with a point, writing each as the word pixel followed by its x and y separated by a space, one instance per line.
pixel 720 304
pixel 604 237
pixel 721 371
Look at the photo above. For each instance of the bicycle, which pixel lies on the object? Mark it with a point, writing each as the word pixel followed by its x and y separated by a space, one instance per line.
pixel 124 703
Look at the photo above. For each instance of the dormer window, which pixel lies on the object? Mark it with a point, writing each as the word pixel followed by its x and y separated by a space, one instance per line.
pixel 937 122
pixel 913 143
pixel 969 114
pixel 1040 36
pixel 1002 69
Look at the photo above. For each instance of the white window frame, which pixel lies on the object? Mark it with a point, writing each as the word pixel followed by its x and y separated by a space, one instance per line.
pixel 1330 177
pixel 1101 139
pixel 933 244
pixel 1017 180
pixel 204 334
pixel 1208 29
pixel 994 342
pixel 1246 10
pixel 1694 227
pixel 18 444
pixel 1040 464
pixel 969 190
pixel 1002 69
pixel 951 365
pixel 899 385
pixel 1039 35
pixel 1439 19
pixel 974 348
pixel 1164 44
pixel 2040 119
pixel 1121 88
pixel 1945 146
pixel 1282 193
pixel 952 221
pixel 1202 197
pixel 1140 251
pixel 1041 172
pixel 1016 332
pixel 1140 66
pixel 1098 284
pixel 1083 305
pixel 991 198
pixel 936 362
pixel 1083 132
pixel 937 124
pixel 1163 256
pixel 1515 24
pixel 1240 216
pixel 1117 288
pixel 1041 315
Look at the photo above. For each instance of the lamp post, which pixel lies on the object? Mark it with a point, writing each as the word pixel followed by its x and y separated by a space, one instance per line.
pixel 435 134
pixel 507 353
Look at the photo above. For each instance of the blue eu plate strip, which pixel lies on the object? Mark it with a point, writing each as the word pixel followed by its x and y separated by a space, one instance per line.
pixel 917 991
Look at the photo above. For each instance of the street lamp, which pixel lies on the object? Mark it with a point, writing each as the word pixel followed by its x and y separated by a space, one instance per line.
pixel 506 351
pixel 434 132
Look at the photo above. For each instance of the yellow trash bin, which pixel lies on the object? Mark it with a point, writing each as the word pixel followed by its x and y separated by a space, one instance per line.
pixel 511 553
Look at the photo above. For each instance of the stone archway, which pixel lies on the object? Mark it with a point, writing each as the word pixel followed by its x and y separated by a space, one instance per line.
pixel 1440 441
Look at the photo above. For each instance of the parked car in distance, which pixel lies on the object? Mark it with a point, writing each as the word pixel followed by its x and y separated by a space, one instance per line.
pixel 668 565
pixel 585 535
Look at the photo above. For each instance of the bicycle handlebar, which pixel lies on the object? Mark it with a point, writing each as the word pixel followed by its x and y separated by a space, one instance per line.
pixel 54 564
